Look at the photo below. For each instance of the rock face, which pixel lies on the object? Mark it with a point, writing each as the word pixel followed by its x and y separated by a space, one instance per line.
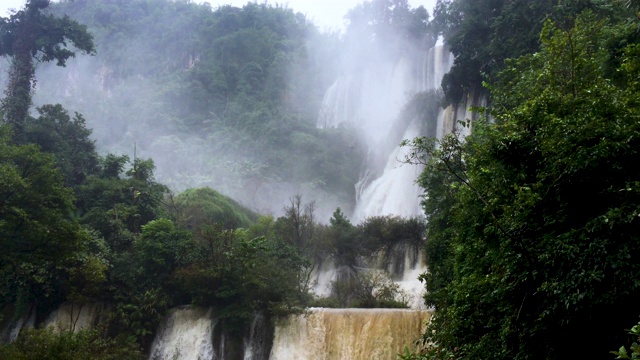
pixel 333 334
pixel 11 324
pixel 74 316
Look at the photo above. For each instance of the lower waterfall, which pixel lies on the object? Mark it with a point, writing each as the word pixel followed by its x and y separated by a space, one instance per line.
pixel 319 334
pixel 403 262
pixel 334 334
pixel 186 334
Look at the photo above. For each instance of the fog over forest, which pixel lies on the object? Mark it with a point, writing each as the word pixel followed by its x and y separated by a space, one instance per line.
pixel 450 179
pixel 134 97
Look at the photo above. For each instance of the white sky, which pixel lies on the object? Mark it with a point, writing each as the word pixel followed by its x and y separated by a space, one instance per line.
pixel 327 14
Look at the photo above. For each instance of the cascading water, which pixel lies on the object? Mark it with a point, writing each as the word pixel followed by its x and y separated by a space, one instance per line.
pixel 328 334
pixel 191 333
pixel 371 99
pixel 393 191
pixel 186 334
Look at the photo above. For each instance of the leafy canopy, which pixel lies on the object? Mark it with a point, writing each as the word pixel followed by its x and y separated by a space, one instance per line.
pixel 534 220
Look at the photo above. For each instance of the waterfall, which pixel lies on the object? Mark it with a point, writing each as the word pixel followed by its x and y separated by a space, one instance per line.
pixel 257 344
pixel 395 192
pixel 191 333
pixel 371 98
pixel 322 276
pixel 405 263
pixel 332 334
pixel 186 334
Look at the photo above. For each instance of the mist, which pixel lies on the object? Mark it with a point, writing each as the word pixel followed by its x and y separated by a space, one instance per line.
pixel 151 92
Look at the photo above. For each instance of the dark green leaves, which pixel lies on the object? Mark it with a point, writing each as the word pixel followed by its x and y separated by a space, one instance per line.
pixel 533 220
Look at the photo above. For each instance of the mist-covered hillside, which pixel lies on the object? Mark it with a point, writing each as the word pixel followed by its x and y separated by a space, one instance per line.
pixel 223 97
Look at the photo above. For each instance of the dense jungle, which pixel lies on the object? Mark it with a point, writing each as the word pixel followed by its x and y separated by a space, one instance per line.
pixel 159 154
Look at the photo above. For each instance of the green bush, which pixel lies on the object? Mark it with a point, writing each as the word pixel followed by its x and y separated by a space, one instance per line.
pixel 39 344
pixel 634 349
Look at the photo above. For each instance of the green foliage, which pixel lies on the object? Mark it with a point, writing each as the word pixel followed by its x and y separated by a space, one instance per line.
pixel 162 249
pixel 344 239
pixel 118 203
pixel 38 234
pixel 197 207
pixel 68 140
pixel 240 275
pixel 534 218
pixel 634 349
pixel 84 345
pixel 483 34
pixel 387 231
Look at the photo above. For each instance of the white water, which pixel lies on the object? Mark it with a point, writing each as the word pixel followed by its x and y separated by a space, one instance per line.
pixel 371 98
pixel 354 334
pixel 322 276
pixel 186 334
pixel 395 192
pixel 405 263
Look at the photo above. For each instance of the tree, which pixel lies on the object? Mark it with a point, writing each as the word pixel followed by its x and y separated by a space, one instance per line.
pixel 55 132
pixel 117 203
pixel 39 235
pixel 162 249
pixel 34 34
pixel 482 34
pixel 542 205
pixel 299 222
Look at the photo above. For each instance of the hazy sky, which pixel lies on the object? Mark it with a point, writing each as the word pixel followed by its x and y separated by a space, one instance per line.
pixel 327 14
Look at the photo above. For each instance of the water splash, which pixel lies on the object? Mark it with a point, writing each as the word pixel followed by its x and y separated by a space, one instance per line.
pixel 186 334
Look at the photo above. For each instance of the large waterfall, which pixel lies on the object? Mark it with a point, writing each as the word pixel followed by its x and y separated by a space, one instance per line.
pixel 189 334
pixel 371 98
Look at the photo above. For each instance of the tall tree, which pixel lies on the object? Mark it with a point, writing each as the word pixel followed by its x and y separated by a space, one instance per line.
pixel 33 34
